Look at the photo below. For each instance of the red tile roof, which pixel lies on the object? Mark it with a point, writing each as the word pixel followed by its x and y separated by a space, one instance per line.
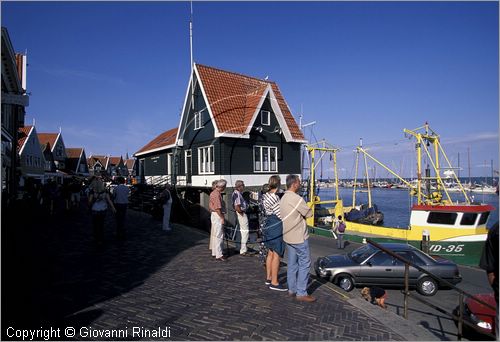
pixel 49 138
pixel 74 152
pixel 233 99
pixel 22 137
pixel 164 139
pixel 114 160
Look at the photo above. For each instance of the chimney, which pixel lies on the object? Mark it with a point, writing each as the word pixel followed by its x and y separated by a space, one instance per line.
pixel 21 63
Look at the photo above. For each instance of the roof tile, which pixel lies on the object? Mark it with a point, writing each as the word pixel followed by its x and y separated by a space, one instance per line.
pixel 164 139
pixel 23 136
pixel 49 138
pixel 233 99
pixel 74 152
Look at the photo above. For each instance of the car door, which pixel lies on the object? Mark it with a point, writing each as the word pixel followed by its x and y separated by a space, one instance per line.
pixel 399 268
pixel 378 269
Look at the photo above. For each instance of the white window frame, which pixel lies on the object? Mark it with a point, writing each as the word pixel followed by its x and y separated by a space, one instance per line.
pixel 206 161
pixel 169 163
pixel 268 114
pixel 198 120
pixel 261 156
pixel 185 161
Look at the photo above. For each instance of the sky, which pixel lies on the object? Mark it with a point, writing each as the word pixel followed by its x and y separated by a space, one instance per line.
pixel 113 75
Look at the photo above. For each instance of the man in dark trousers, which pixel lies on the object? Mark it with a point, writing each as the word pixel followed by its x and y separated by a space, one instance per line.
pixel 120 195
pixel 489 263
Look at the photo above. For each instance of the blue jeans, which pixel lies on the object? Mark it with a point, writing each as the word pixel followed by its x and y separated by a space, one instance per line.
pixel 299 263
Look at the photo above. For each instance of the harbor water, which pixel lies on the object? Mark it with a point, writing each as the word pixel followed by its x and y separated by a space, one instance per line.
pixel 396 203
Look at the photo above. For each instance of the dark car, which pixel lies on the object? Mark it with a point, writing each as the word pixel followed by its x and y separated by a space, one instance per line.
pixel 478 314
pixel 368 266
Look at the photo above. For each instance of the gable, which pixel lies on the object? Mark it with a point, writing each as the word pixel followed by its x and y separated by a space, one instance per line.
pixel 234 100
pixel 47 138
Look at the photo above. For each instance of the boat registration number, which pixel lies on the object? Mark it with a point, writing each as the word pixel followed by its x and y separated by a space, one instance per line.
pixel 446 249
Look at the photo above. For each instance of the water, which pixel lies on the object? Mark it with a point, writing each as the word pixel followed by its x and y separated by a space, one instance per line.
pixel 396 203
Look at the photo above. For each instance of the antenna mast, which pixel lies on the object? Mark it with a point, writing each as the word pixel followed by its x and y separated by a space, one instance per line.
pixel 191 54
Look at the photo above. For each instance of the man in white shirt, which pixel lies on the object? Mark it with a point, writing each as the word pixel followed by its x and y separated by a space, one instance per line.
pixel 240 206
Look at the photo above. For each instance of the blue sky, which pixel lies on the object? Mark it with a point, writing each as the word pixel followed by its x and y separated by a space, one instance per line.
pixel 113 75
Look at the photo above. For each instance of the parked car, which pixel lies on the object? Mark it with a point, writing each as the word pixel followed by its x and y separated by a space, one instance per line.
pixel 368 266
pixel 478 314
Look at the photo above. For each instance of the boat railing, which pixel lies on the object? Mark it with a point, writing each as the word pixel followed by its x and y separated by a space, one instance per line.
pixel 461 293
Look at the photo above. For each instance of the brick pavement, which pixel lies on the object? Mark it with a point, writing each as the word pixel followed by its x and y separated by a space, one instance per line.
pixel 52 275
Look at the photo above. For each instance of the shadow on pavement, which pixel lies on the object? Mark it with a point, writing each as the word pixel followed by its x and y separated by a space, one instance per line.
pixel 53 273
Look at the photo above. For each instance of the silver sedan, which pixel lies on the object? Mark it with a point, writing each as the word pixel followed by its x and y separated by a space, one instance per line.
pixel 369 266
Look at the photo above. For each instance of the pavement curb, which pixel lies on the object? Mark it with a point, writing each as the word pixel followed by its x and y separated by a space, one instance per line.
pixel 405 328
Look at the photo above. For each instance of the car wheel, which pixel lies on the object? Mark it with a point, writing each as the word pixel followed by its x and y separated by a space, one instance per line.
pixel 427 286
pixel 345 282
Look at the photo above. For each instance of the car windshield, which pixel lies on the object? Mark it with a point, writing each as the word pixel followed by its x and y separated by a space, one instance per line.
pixel 360 254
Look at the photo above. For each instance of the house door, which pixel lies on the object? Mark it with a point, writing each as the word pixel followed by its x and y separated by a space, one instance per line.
pixel 188 166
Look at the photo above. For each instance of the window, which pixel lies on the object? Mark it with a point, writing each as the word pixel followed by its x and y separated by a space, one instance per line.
pixel 198 120
pixel 410 256
pixel 265 159
pixel 381 259
pixel 484 218
pixel 206 163
pixel 265 117
pixel 187 162
pixel 468 219
pixel 59 151
pixel 169 164
pixel 442 218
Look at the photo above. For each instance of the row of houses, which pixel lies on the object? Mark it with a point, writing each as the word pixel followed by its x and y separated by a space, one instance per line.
pixel 27 153
pixel 44 155
pixel 14 103
pixel 232 126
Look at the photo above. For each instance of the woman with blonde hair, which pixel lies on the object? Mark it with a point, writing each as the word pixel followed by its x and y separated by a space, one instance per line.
pixel 273 234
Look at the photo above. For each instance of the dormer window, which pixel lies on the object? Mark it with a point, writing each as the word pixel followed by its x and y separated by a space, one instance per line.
pixel 265 117
pixel 198 120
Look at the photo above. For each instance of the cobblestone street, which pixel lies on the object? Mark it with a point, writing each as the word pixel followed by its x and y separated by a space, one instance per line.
pixel 53 276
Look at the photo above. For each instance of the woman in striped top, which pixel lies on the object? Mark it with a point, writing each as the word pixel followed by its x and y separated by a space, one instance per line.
pixel 273 234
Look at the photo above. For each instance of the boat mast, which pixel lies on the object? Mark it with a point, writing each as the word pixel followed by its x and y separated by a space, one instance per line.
pixel 356 174
pixel 336 176
pixel 468 161
pixel 492 172
pixel 368 183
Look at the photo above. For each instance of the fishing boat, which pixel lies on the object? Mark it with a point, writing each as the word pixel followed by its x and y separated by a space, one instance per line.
pixel 454 230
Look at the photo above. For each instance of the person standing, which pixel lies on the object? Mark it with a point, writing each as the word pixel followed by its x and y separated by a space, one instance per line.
pixel 339 230
pixel 489 263
pixel 75 188
pixel 273 234
pixel 294 211
pixel 166 197
pixel 211 244
pixel 120 195
pixel 217 209
pixel 98 202
pixel 240 206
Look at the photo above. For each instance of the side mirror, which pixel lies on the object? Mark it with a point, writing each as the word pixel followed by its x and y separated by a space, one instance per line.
pixel 369 263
